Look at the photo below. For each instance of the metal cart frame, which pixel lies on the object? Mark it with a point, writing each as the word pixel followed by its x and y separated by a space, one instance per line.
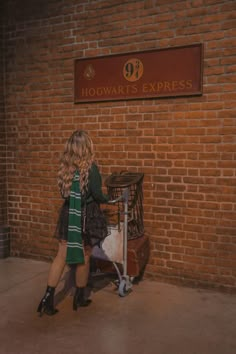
pixel 125 281
pixel 125 191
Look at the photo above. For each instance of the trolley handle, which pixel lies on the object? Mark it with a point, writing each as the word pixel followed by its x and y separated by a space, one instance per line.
pixel 124 197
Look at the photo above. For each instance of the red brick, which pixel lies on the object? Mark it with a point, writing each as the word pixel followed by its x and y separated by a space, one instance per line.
pixel 185 146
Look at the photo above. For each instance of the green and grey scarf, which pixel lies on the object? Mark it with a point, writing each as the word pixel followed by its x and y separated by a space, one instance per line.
pixel 75 249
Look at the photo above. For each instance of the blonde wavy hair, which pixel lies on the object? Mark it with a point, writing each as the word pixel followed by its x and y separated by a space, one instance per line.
pixel 78 155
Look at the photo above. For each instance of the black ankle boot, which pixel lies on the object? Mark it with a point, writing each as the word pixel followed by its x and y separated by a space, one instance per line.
pixel 79 299
pixel 47 303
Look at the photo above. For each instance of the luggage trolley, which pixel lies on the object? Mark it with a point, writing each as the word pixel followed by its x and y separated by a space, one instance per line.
pixel 125 222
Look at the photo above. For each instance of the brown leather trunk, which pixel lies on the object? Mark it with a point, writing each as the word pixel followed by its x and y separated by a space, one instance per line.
pixel 137 258
pixel 138 254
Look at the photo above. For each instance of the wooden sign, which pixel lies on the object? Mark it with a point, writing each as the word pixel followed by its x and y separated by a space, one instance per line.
pixel 171 72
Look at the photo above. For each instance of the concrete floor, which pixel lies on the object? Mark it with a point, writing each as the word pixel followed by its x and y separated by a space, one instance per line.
pixel 155 318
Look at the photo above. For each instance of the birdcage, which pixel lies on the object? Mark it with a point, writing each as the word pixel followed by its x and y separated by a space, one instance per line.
pixel 116 183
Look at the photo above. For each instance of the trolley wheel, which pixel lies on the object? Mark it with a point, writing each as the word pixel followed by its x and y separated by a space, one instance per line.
pixel 124 287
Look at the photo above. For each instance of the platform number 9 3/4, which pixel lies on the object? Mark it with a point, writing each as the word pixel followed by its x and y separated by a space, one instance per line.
pixel 133 69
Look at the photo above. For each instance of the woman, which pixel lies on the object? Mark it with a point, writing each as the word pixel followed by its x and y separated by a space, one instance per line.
pixel 80 184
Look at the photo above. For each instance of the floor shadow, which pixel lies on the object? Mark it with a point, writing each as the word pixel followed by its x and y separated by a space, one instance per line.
pixel 68 281
pixel 97 281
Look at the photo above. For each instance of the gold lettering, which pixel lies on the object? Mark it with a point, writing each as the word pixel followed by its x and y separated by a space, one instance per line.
pixel 174 85
pixel 152 86
pixel 121 90
pixel 182 84
pixel 134 88
pixel 99 91
pixel 84 92
pixel 159 85
pixel 167 85
pixel 189 83
pixel 113 90
pixel 92 91
pixel 127 87
pixel 107 90
pixel 145 88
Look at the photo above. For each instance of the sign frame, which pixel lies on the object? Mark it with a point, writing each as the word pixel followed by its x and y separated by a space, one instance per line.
pixel 85 73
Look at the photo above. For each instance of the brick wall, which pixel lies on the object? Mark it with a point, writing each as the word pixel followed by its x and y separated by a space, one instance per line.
pixel 3 192
pixel 185 146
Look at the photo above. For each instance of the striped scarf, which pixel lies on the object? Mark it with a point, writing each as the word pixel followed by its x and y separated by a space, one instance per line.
pixel 75 249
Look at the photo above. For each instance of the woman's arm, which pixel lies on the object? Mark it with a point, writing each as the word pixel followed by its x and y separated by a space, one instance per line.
pixel 95 186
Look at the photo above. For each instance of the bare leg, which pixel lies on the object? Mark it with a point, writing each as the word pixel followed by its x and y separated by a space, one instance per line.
pixel 82 270
pixel 57 265
pixel 46 305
